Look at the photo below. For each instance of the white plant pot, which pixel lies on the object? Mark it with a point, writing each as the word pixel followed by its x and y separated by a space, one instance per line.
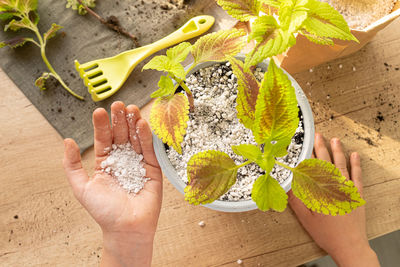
pixel 245 205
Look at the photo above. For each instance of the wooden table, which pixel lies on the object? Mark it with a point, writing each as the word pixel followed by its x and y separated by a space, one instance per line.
pixel 42 224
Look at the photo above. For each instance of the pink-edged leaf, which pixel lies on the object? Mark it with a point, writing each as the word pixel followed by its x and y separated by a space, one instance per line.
pixel 218 46
pixel 248 89
pixel 210 175
pixel 168 119
pixel 323 189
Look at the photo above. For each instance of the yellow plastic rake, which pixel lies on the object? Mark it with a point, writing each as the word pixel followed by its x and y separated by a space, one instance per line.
pixel 104 77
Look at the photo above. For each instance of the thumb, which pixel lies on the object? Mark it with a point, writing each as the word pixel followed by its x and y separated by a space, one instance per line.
pixel 76 175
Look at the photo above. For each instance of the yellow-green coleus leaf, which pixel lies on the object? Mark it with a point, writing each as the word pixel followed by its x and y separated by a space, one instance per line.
pixel 276 117
pixel 292 14
pixel 164 63
pixel 323 189
pixel 248 151
pixel 16 25
pixel 271 40
pixel 248 88
pixel 168 119
pixel 242 10
pixel 324 23
pixel 179 52
pixel 268 194
pixel 210 175
pixel 166 87
pixel 218 46
pixel 52 31
pixel 41 81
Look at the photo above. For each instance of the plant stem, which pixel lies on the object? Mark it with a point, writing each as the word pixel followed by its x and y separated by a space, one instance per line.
pixel 189 95
pixel 284 165
pixel 190 68
pixel 112 26
pixel 243 164
pixel 42 46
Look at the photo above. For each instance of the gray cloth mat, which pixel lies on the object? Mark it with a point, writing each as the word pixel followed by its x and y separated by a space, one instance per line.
pixel 86 39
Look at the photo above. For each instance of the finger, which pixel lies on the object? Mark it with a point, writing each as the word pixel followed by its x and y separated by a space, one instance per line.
pixel 146 142
pixel 320 148
pixel 313 155
pixel 355 164
pixel 119 125
pixel 339 159
pixel 297 206
pixel 76 175
pixel 102 133
pixel 132 116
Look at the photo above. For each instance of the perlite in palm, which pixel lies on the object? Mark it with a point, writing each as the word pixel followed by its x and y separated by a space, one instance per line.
pixel 22 14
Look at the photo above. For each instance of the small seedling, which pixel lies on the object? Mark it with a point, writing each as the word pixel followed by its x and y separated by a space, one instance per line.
pixel 23 14
pixel 268 108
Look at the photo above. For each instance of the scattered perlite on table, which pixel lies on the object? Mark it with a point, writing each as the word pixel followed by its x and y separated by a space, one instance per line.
pixel 214 126
pixel 359 14
pixel 126 166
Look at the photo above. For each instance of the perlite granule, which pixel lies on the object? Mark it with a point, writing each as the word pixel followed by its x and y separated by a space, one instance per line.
pixel 361 13
pixel 126 166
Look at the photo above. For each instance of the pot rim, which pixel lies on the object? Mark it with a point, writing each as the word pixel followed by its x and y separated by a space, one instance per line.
pixel 244 205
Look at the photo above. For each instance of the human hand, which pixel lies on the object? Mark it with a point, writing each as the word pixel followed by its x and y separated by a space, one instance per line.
pixel 343 237
pixel 128 222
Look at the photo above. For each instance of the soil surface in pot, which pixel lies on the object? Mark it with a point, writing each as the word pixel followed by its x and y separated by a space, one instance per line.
pixel 360 14
pixel 214 126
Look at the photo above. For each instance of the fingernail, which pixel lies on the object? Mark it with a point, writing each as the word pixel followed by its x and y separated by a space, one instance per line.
pixel 335 140
pixel 355 155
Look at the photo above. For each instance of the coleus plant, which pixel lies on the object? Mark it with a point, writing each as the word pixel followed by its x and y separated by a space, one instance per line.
pixel 267 107
pixel 22 14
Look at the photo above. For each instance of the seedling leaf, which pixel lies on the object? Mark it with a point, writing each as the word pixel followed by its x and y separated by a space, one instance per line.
pixel 168 119
pixel 248 151
pixel 52 32
pixel 248 88
pixel 323 189
pixel 75 5
pixel 276 117
pixel 292 13
pixel 15 42
pixel 41 81
pixel 166 87
pixel 210 175
pixel 6 15
pixel 16 25
pixel 271 40
pixel 242 10
pixel 218 46
pixel 180 52
pixel 164 63
pixel 324 21
pixel 268 194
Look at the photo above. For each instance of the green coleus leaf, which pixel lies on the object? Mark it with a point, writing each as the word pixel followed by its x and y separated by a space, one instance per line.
pixel 323 189
pixel 52 32
pixel 242 10
pixel 180 52
pixel 324 23
pixel 210 175
pixel 248 151
pixel 164 63
pixel 218 46
pixel 20 6
pixel 15 42
pixel 168 119
pixel 4 15
pixel 276 117
pixel 248 88
pixel 166 87
pixel 16 25
pixel 75 5
pixel 268 194
pixel 41 81
pixel 271 40
pixel 292 14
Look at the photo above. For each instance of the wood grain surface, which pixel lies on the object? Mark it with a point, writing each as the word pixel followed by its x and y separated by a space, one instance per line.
pixel 41 224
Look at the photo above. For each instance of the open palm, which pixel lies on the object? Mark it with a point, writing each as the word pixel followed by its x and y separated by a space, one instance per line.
pixel 113 208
